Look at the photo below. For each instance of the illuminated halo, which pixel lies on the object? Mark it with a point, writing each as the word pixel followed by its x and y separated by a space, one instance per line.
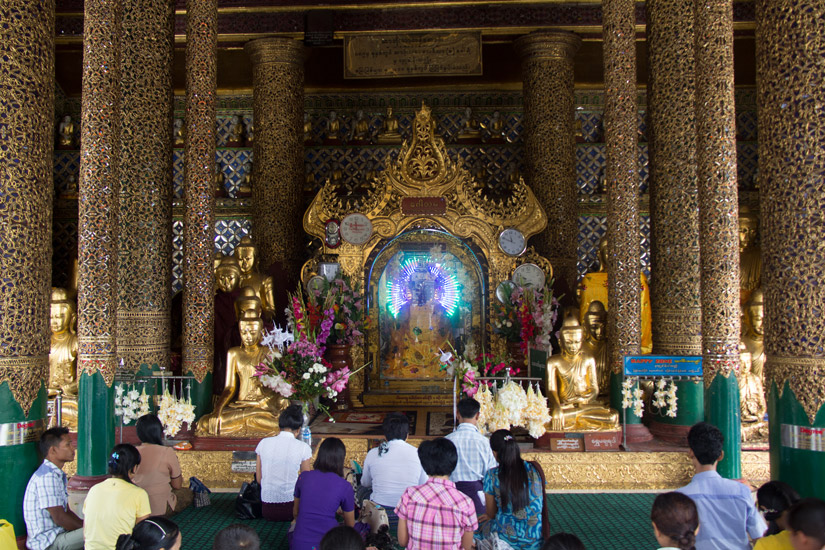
pixel 443 280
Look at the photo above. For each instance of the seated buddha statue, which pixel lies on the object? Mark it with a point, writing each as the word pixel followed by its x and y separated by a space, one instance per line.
pixel 389 133
pixel 753 339
pixel 470 129
pixel 245 187
pixel 219 182
pixel 246 253
pixel 595 343
pixel 235 137
pixel 594 287
pixel 245 407
pixel 751 391
pixel 65 134
pixel 249 126
pixel 573 387
pixel 63 355
pixel 750 255
pixel 494 128
pixel 307 128
pixel 360 128
pixel 333 129
pixel 177 133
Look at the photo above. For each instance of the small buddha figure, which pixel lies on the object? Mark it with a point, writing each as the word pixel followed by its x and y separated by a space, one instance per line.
pixel 245 407
pixel 751 390
pixel 65 134
pixel 235 137
pixel 595 343
pixel 333 129
pixel 219 182
pixel 578 130
pixel 594 287
pixel 245 187
pixel 513 175
pixel 309 178
pixel 750 255
pixel 470 129
pixel 63 354
pixel 480 172
pixel 246 253
pixel 71 188
pixel 177 133
pixel 494 128
pixel 754 332
pixel 336 174
pixel 573 387
pixel 360 128
pixel 249 126
pixel 389 133
pixel 307 129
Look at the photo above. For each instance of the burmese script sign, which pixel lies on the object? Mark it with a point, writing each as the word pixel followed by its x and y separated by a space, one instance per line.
pixel 423 206
pixel 412 54
pixel 662 365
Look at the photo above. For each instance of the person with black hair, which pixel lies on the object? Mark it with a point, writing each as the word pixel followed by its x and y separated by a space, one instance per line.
pixel 774 500
pixel 563 541
pixel 514 494
pixel 806 522
pixel 115 505
pixel 436 515
pixel 342 537
pixel 159 472
pixel 319 494
pixel 280 459
pixel 237 537
pixel 153 533
pixel 393 466
pixel 726 509
pixel 475 456
pixel 675 521
pixel 49 521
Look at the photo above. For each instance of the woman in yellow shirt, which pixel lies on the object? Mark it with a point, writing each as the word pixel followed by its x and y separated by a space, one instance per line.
pixel 775 498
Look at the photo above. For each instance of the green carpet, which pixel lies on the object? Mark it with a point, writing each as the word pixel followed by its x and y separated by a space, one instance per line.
pixel 604 521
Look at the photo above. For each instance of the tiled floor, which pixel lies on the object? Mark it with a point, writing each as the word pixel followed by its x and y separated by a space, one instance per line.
pixel 604 521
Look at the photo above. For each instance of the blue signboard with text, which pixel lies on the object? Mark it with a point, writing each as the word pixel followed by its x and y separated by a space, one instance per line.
pixel 662 365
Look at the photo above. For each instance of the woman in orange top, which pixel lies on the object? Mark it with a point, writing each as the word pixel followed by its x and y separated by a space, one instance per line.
pixel 159 472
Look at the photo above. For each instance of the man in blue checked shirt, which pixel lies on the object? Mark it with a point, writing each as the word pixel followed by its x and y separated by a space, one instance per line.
pixel 474 455
pixel 51 525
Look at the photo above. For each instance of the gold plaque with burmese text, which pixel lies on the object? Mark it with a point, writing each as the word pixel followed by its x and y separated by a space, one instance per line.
pixel 412 54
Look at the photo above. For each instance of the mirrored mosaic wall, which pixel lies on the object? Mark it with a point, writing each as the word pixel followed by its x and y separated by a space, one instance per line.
pixel 496 158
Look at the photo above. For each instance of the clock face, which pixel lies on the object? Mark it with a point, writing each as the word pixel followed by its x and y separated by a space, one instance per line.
pixel 503 291
pixel 316 283
pixel 529 275
pixel 512 242
pixel 356 229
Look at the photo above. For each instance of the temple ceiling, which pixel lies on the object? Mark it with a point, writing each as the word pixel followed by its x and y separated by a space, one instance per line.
pixel 500 22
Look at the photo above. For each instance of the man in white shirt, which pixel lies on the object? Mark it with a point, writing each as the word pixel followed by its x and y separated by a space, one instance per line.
pixel 393 466
pixel 475 456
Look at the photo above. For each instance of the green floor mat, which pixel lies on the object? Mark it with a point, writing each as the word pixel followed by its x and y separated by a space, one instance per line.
pixel 603 521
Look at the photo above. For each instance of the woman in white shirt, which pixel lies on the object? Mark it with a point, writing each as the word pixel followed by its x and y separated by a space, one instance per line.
pixel 280 459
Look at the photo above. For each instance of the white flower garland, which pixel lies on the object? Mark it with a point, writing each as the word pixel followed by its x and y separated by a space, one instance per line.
pixel 174 413
pixel 511 406
pixel 633 397
pixel 664 398
pixel 130 405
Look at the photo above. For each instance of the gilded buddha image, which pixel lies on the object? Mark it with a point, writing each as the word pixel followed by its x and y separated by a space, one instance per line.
pixel 63 354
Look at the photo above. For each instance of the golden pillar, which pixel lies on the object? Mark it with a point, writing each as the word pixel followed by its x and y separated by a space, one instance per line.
pixel 790 47
pixel 549 143
pixel 145 236
pixel 199 196
pixel 674 199
pixel 718 221
pixel 278 109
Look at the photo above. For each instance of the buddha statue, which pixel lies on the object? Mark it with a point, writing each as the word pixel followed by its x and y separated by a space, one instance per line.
pixel 470 128
pixel 177 133
pixel 370 173
pixel 494 128
pixel 595 343
pixel 309 178
pixel 750 255
pixel 389 133
pixel 246 253
pixel 227 274
pixel 249 126
pixel 235 137
pixel 70 192
pixel 360 128
pixel 216 262
pixel 307 128
pixel 63 354
pixel 594 287
pixel 333 129
pixel 245 407
pixel 245 187
pixel 573 387
pixel 754 332
pixel 219 181
pixel 751 390
pixel 65 134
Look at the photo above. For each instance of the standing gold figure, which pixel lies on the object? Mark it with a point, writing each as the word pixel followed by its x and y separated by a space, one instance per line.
pixel 63 354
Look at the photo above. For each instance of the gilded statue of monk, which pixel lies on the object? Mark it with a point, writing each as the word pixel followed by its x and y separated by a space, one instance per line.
pixel 573 387
pixel 754 332
pixel 751 390
pixel 750 255
pixel 595 343
pixel 246 253
pixel 63 354
pixel 245 407
pixel 389 133
pixel 470 128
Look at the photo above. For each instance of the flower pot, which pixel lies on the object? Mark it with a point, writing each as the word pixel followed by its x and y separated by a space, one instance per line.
pixel 338 355
pixel 517 359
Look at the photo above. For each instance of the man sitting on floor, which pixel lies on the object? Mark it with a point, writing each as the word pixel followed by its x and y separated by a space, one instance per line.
pixel 50 523
pixel 475 456
pixel 727 514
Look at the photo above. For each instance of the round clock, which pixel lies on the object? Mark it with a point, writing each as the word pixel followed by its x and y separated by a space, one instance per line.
pixel 529 275
pixel 356 229
pixel 316 283
pixel 512 242
pixel 503 291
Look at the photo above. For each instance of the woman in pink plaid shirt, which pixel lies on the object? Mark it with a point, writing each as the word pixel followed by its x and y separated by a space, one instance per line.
pixel 436 515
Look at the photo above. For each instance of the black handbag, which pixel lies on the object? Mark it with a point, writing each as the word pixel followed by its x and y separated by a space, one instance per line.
pixel 248 502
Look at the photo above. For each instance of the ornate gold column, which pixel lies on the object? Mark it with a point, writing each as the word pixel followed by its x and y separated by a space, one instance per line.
pixel 199 197
pixel 718 221
pixel 549 143
pixel 26 145
pixel 98 233
pixel 792 194
pixel 278 109
pixel 145 237
pixel 674 197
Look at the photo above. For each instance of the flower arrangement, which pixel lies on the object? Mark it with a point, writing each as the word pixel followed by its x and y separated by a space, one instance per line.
pixel 468 369
pixel 130 405
pixel 664 398
pixel 174 412
pixel 342 302
pixel 526 316
pixel 633 395
pixel 512 406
